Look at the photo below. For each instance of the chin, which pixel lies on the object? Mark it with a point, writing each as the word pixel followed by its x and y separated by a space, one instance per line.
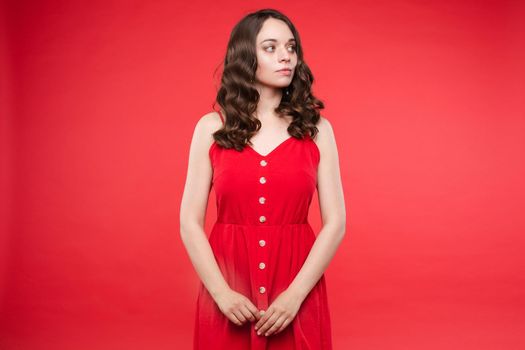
pixel 278 84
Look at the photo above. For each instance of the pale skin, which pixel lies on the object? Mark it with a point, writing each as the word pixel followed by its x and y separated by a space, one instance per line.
pixel 271 56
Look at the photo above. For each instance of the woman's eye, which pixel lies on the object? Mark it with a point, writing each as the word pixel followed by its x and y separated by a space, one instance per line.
pixel 290 47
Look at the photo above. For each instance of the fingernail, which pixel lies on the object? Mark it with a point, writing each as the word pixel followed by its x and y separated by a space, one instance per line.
pixel 258 333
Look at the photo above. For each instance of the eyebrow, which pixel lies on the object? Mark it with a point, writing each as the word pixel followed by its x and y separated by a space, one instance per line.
pixel 291 39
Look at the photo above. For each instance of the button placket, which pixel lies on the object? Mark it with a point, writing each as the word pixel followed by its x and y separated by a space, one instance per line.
pixel 262 181
pixel 263 300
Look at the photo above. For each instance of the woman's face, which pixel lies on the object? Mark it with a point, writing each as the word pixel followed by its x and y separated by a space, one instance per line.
pixel 275 47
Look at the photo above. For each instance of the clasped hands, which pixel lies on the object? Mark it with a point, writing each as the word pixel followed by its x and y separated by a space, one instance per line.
pixel 239 309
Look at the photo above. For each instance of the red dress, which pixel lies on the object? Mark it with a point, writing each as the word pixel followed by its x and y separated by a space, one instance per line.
pixel 260 241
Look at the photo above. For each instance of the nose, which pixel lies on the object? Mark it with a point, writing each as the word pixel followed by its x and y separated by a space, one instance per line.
pixel 284 56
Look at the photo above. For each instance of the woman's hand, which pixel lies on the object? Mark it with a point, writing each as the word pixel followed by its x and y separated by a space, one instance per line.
pixel 279 314
pixel 236 307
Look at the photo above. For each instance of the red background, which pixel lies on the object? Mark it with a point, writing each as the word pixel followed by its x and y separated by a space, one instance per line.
pixel 99 100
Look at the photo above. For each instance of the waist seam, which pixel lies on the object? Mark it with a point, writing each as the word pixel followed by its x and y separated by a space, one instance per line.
pixel 263 225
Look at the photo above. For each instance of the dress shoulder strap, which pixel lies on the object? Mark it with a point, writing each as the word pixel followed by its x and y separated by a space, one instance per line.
pixel 220 115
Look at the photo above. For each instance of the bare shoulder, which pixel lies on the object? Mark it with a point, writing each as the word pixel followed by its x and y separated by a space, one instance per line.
pixel 202 138
pixel 210 121
pixel 208 124
pixel 325 138
pixel 324 125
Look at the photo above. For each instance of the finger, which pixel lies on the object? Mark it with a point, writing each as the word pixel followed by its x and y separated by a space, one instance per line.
pixel 263 319
pixel 247 313
pixel 239 315
pixel 253 310
pixel 283 326
pixel 234 318
pixel 269 323
pixel 276 325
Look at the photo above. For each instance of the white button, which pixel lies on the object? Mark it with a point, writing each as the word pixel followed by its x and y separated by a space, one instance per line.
pixel 262 242
pixel 262 265
pixel 262 200
pixel 263 162
pixel 262 290
pixel 262 218
pixel 262 180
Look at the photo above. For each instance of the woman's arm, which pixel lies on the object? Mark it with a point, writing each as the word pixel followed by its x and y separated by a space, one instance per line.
pixel 333 212
pixel 194 203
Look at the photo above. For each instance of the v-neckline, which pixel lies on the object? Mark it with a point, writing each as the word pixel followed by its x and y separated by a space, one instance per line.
pixel 272 151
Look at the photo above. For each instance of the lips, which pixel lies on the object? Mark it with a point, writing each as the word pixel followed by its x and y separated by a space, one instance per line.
pixel 285 69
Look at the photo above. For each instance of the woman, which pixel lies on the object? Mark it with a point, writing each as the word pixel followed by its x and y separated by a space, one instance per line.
pixel 265 151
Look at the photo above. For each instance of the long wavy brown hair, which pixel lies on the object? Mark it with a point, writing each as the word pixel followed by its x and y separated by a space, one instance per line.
pixel 238 97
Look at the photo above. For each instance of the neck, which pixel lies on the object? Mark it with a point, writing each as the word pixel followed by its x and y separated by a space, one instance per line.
pixel 269 100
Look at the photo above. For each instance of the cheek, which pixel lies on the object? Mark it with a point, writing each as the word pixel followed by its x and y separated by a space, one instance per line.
pixel 264 65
